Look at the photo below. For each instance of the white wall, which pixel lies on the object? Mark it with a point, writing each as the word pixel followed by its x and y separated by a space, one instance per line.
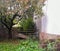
pixel 51 18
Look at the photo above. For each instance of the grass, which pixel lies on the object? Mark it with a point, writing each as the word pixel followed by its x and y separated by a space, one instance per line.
pixel 19 45
pixel 23 45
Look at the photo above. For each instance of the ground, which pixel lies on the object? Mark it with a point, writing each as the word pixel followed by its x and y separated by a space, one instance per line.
pixel 19 45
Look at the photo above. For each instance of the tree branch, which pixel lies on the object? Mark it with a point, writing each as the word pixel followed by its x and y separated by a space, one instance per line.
pixel 4 23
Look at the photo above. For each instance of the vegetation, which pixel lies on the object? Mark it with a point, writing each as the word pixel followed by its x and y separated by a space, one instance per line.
pixel 7 20
pixel 25 10
pixel 52 46
pixel 25 45
pixel 19 45
pixel 27 24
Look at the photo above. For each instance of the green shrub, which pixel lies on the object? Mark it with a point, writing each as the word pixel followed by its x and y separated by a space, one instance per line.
pixel 27 24
pixel 19 45
pixel 51 46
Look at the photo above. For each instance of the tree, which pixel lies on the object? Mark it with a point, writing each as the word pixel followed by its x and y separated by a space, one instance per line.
pixel 7 20
pixel 25 9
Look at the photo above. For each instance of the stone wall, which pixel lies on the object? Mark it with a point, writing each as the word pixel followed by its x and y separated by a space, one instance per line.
pixel 45 36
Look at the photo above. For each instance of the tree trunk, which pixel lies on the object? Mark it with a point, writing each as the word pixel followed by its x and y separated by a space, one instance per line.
pixel 9 34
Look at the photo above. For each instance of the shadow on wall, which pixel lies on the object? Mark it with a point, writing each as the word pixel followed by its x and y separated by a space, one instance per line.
pixel 43 23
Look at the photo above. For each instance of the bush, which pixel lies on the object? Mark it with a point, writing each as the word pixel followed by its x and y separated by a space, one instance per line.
pixel 27 24
pixel 19 45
